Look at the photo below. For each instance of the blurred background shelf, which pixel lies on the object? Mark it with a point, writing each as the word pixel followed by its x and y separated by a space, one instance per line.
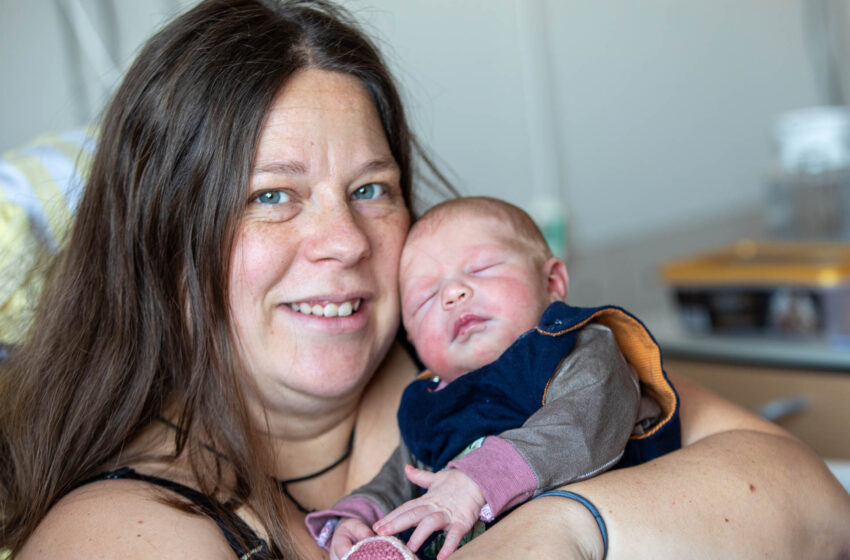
pixel 782 353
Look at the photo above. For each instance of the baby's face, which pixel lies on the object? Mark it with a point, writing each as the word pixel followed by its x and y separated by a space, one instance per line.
pixel 469 288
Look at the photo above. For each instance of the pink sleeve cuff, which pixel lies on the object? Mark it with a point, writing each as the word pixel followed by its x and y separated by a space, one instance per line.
pixel 359 507
pixel 500 471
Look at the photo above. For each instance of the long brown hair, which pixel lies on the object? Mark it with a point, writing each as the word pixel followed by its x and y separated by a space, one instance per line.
pixel 133 319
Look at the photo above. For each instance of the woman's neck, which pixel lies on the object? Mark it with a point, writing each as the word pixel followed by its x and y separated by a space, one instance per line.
pixel 307 450
pixel 305 444
pixel 323 440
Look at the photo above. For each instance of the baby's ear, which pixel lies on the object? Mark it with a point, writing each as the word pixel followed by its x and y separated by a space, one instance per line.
pixel 557 279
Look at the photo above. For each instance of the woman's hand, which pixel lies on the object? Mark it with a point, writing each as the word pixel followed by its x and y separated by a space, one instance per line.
pixel 453 502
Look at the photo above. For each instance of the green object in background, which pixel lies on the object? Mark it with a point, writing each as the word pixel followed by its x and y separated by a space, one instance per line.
pixel 550 214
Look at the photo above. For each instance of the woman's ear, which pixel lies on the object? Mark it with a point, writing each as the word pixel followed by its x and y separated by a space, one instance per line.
pixel 557 279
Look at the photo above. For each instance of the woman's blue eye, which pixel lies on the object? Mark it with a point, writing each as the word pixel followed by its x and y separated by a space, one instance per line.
pixel 272 197
pixel 368 192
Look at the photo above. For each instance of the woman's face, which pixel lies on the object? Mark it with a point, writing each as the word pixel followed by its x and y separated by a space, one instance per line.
pixel 313 272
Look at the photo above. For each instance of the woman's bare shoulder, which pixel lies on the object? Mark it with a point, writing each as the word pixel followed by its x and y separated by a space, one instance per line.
pixel 123 519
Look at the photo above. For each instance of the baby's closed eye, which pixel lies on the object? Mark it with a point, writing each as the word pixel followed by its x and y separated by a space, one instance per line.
pixel 483 267
pixel 422 299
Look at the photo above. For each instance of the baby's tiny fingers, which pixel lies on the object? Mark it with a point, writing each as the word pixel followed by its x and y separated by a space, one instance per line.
pixel 339 547
pixel 391 516
pixel 454 535
pixel 361 531
pixel 420 478
pixel 402 518
pixel 433 522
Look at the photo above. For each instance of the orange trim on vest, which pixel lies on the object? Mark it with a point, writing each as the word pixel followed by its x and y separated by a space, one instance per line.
pixel 426 374
pixel 546 390
pixel 641 352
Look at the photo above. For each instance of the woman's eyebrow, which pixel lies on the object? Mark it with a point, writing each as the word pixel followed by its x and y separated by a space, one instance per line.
pixel 377 165
pixel 288 168
pixel 293 168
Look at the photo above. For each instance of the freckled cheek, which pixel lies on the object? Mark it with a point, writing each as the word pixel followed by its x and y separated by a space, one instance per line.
pixel 258 258
pixel 387 239
pixel 389 254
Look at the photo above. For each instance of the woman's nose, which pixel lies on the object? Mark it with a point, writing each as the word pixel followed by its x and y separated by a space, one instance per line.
pixel 455 293
pixel 337 236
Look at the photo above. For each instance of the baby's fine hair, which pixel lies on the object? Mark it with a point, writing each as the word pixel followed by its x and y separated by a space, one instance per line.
pixel 518 219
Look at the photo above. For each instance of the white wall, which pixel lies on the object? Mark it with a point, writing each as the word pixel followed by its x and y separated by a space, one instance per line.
pixel 663 108
pixel 667 106
pixel 661 116
pixel 46 86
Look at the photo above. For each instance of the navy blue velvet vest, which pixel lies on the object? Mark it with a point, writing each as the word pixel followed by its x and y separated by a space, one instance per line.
pixel 437 425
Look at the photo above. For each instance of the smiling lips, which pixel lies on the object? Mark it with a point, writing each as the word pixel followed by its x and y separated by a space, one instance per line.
pixel 465 323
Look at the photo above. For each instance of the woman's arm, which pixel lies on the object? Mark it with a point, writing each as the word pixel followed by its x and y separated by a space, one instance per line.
pixel 740 488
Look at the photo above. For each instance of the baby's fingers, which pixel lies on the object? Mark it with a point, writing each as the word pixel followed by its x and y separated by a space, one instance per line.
pixel 433 522
pixel 420 478
pixel 360 531
pixel 403 517
pixel 348 533
pixel 339 546
pixel 454 535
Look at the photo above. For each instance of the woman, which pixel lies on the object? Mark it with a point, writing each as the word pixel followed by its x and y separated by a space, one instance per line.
pixel 222 319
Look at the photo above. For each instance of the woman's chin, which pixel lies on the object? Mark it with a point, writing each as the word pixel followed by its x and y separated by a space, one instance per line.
pixel 334 381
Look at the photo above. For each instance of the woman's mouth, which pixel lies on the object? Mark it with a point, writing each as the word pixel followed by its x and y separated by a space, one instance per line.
pixel 342 309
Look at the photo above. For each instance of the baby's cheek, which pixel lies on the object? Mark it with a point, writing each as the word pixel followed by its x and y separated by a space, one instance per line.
pixel 432 352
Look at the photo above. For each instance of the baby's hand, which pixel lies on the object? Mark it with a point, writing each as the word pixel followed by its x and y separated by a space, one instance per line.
pixel 348 532
pixel 453 502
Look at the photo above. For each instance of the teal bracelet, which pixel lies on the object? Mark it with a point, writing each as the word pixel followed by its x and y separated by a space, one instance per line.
pixel 590 507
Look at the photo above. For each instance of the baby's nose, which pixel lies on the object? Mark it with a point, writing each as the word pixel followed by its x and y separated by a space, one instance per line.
pixel 455 293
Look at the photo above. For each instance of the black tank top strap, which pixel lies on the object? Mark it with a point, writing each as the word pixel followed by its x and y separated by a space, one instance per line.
pixel 254 547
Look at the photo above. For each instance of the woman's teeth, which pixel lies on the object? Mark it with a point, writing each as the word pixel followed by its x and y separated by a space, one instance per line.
pixel 343 309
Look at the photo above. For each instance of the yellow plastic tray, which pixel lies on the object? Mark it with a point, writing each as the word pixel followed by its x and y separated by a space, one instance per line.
pixel 763 263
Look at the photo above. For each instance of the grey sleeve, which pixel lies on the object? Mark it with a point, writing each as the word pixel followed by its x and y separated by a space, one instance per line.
pixel 390 488
pixel 588 414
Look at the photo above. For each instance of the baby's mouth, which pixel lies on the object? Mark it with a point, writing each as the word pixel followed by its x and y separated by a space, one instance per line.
pixel 343 309
pixel 465 323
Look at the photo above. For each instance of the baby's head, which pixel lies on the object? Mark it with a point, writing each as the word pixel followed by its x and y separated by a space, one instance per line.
pixel 475 274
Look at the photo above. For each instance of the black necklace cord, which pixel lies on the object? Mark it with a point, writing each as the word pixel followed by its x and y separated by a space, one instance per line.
pixel 330 467
pixel 282 484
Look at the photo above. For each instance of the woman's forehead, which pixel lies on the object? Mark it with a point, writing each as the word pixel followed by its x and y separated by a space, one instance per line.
pixel 313 88
pixel 321 118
